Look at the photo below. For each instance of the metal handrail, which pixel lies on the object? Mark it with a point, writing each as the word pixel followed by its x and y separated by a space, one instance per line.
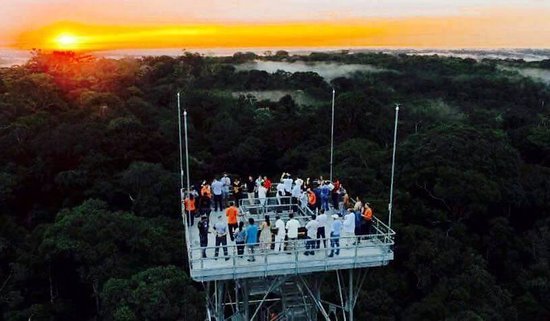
pixel 295 251
pixel 382 237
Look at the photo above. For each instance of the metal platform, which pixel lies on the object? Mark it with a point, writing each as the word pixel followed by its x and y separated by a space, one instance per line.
pixel 374 250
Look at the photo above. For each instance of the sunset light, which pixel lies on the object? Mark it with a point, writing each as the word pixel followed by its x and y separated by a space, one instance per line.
pixel 495 28
pixel 66 41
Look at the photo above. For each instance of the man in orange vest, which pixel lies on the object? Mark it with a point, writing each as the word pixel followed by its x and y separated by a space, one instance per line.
pixel 190 209
pixel 311 199
pixel 205 189
pixel 367 219
pixel 232 213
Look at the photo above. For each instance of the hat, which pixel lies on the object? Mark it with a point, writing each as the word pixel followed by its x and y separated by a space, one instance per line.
pixel 335 216
pixel 204 216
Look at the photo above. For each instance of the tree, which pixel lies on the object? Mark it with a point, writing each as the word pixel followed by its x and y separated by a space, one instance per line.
pixel 161 293
pixel 101 244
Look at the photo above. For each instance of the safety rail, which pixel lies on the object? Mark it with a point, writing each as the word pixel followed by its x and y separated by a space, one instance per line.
pixel 373 249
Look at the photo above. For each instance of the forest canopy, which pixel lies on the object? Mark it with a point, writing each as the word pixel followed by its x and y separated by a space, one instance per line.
pixel 90 225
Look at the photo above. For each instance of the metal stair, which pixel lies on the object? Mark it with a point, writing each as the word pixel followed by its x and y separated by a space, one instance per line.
pixel 297 305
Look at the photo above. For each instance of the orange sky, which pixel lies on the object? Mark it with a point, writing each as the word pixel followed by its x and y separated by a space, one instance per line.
pixel 483 27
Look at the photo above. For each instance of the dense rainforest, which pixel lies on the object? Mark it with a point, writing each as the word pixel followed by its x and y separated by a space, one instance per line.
pixel 90 225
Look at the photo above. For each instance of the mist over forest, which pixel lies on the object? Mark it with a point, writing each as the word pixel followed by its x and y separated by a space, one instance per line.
pixel 90 222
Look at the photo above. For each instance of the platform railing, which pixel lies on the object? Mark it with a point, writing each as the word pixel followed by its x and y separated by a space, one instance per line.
pixel 293 257
pixel 352 252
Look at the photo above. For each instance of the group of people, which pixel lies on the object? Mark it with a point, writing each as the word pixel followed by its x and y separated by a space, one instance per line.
pixel 283 237
pixel 316 194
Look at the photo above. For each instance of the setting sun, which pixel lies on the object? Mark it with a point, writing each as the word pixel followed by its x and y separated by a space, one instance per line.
pixel 66 41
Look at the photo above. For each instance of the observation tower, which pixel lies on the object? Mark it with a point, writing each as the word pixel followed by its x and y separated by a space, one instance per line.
pixel 287 285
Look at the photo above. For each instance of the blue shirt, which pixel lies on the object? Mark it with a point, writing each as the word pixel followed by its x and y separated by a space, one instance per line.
pixel 217 187
pixel 358 218
pixel 336 228
pixel 252 234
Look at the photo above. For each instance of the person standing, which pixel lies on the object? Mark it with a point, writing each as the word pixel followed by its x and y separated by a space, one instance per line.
pixel 287 183
pixel 232 212
pixel 322 219
pixel 341 201
pixel 240 238
pixel 296 192
pixel 190 209
pixel 348 228
pixel 251 238
pixel 311 200
pixel 221 238
pixel 262 196
pixel 358 204
pixel 346 200
pixel 325 195
pixel 203 227
pixel 358 225
pixel 335 193
pixel 226 181
pixel 280 192
pixel 250 187
pixel 205 188
pixel 265 235
pixel 367 219
pixel 205 205
pixel 267 185
pixel 311 228
pixel 292 227
pixel 335 230
pixel 217 191
pixel 280 235
pixel 237 191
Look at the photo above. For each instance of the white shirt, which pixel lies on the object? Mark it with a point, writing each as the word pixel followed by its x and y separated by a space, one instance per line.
pixel 292 227
pixel 280 225
pixel 280 190
pixel 262 192
pixel 287 182
pixel 349 223
pixel 311 227
pixel 303 199
pixel 296 191
pixel 226 182
pixel 322 219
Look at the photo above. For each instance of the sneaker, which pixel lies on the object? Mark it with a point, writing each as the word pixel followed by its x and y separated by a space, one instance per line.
pixel 227 259
pixel 330 255
pixel 306 253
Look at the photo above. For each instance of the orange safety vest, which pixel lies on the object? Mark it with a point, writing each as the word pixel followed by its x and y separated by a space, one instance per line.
pixel 206 189
pixel 367 214
pixel 311 198
pixel 189 204
pixel 231 214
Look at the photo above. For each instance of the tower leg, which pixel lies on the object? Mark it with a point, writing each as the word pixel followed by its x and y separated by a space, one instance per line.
pixel 351 299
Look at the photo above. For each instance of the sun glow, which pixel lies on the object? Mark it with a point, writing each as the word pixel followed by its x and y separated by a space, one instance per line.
pixel 492 30
pixel 66 41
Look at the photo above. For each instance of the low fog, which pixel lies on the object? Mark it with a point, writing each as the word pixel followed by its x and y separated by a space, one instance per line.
pixel 328 71
pixel 535 73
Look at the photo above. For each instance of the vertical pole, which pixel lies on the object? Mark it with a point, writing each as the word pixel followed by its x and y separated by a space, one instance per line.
pixel 390 205
pixel 332 135
pixel 351 299
pixel 186 150
pixel 181 152
pixel 245 299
